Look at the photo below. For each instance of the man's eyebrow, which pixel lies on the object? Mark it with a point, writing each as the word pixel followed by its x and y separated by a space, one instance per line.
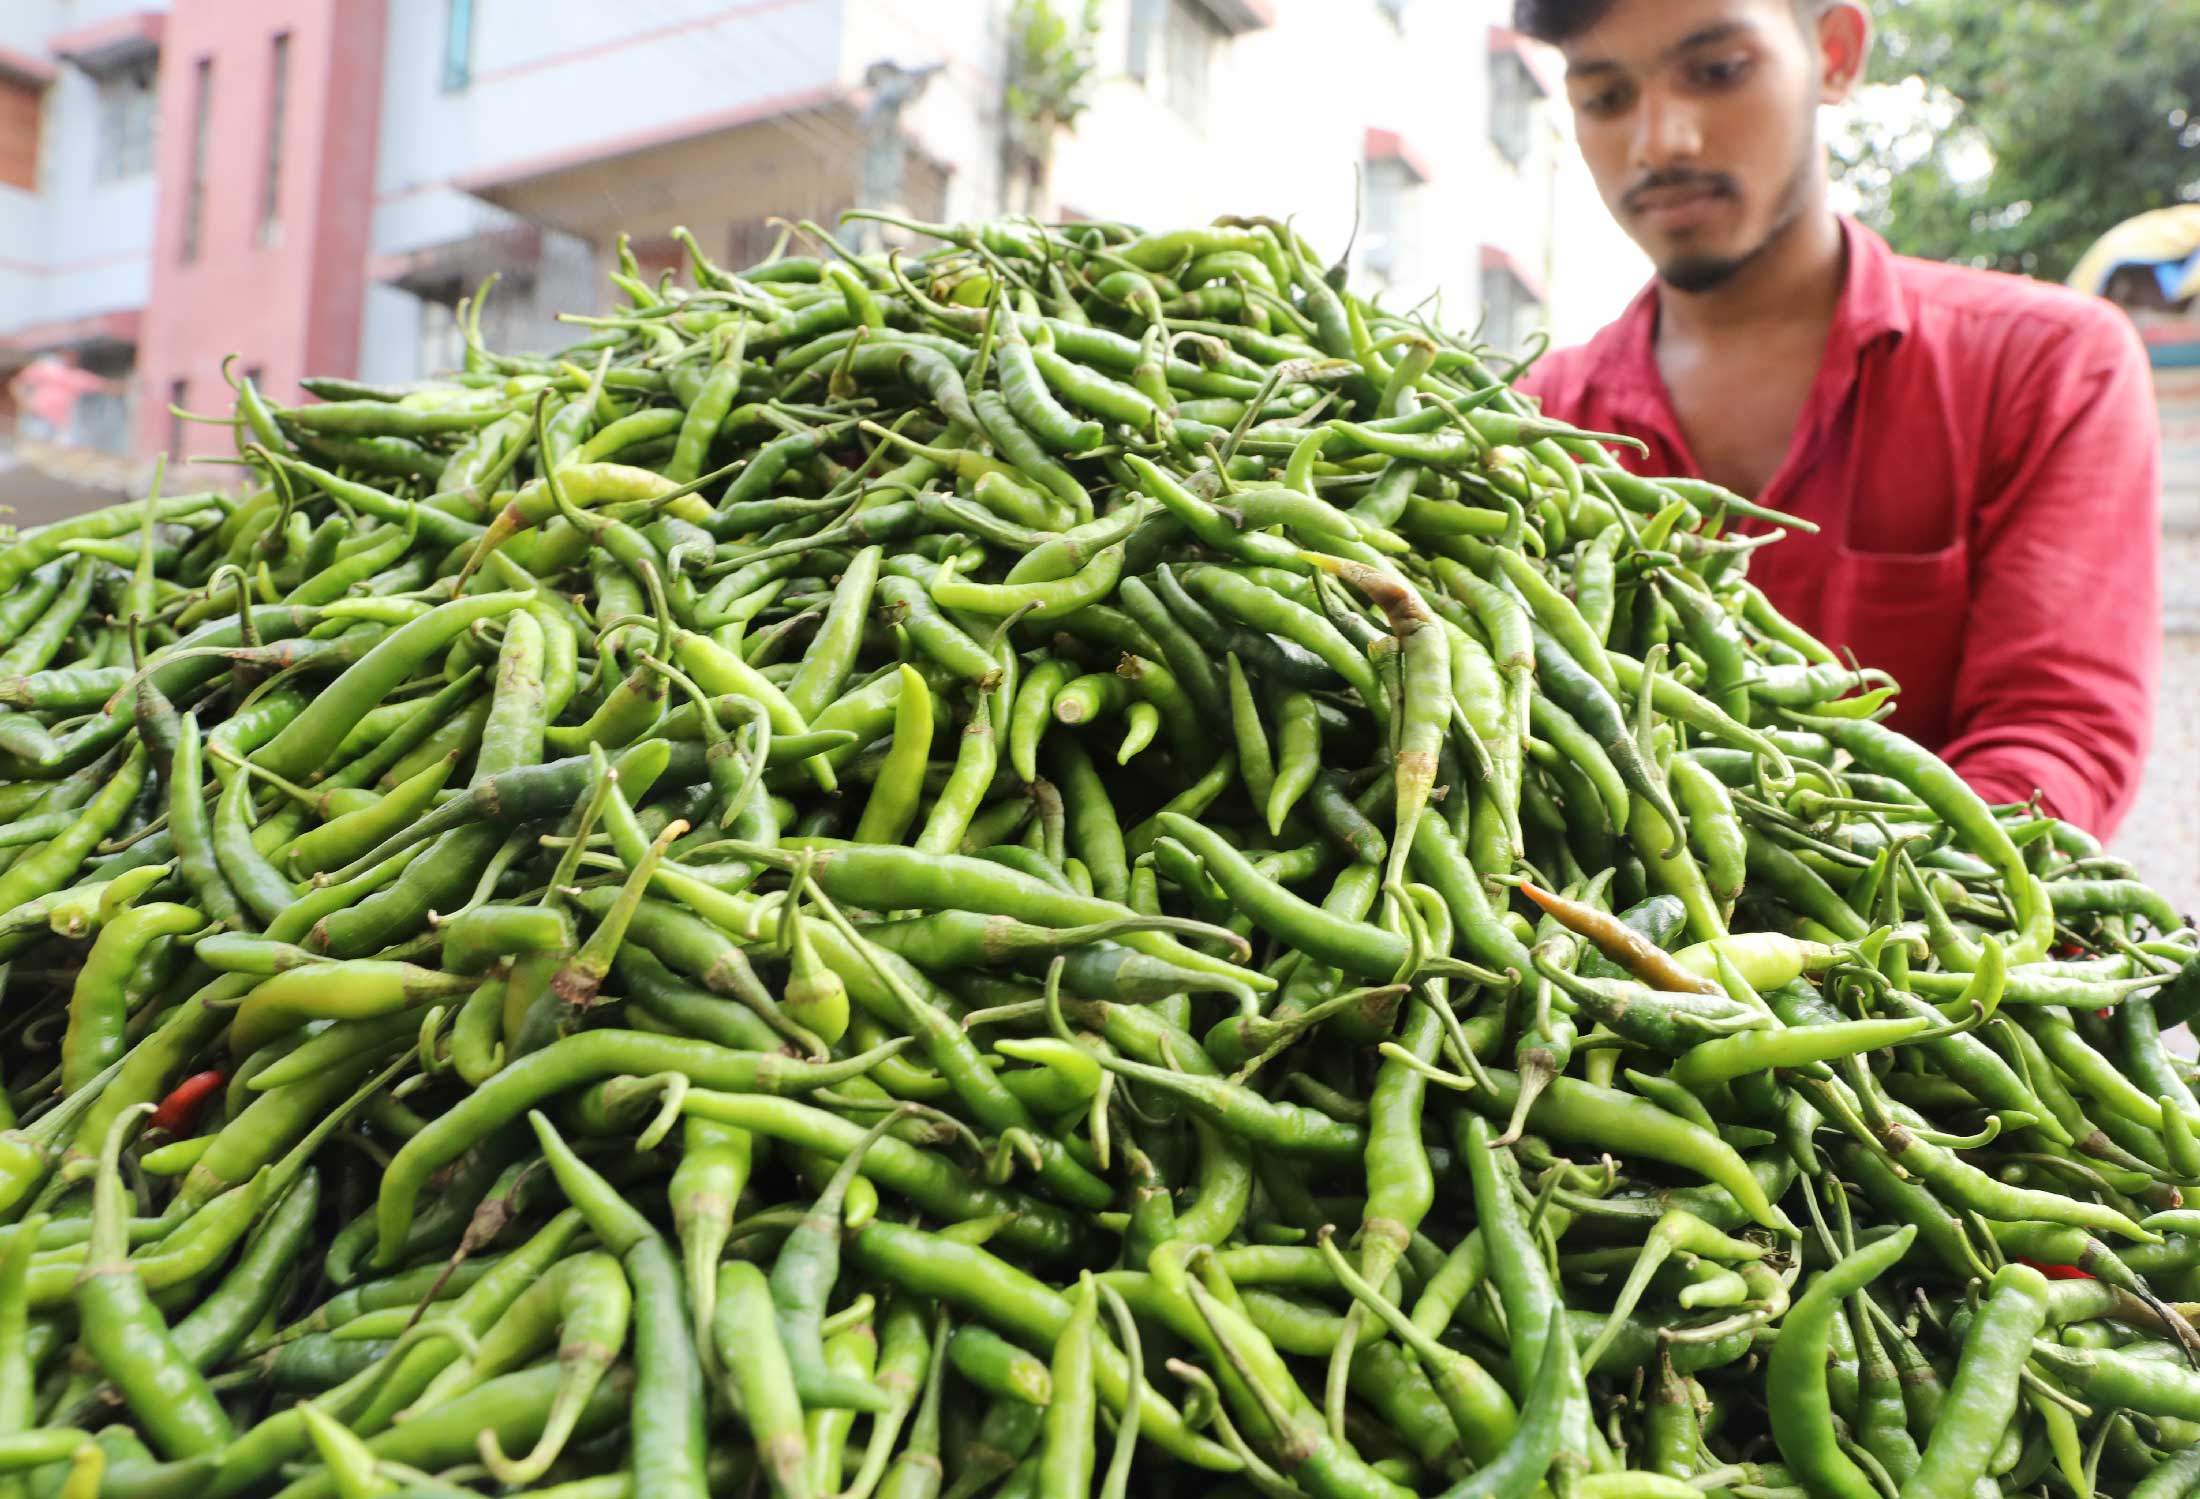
pixel 1716 32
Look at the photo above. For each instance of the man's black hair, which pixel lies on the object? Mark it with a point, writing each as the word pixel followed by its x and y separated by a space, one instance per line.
pixel 1557 20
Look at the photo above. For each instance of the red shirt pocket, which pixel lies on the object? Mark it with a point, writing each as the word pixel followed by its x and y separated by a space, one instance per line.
pixel 1905 613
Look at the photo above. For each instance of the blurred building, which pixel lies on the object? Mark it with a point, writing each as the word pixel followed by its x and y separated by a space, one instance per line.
pixel 314 184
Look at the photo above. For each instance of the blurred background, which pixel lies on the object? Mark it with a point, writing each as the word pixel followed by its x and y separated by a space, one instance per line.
pixel 315 184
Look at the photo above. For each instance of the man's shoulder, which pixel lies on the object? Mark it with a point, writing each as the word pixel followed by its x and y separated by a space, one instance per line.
pixel 1557 377
pixel 1980 312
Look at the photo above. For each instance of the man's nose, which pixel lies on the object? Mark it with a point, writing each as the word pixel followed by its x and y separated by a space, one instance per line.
pixel 1667 132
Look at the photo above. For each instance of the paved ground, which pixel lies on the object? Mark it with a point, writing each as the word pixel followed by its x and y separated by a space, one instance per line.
pixel 41 483
pixel 2162 835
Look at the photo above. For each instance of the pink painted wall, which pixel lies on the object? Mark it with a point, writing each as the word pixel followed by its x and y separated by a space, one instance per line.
pixel 290 304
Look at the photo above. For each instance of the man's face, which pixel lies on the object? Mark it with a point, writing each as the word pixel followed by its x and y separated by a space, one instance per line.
pixel 1698 119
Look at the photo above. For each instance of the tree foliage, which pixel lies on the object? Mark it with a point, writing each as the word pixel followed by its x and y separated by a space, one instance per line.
pixel 1050 76
pixel 1050 62
pixel 2012 133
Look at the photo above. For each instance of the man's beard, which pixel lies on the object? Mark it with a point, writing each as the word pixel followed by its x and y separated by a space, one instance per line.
pixel 1696 274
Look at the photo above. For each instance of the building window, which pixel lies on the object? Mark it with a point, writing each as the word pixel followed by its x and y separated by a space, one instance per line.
pixel 1388 206
pixel 194 193
pixel 1510 311
pixel 19 108
pixel 458 44
pixel 508 317
pixel 439 345
pixel 1175 45
pixel 128 105
pixel 271 179
pixel 179 401
pixel 1513 97
pixel 102 418
pixel 1148 18
pixel 102 422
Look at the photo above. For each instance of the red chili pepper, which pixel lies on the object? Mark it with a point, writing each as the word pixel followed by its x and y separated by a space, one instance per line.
pixel 182 1105
pixel 2056 1272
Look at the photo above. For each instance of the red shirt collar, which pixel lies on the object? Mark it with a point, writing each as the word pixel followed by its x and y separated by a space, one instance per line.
pixel 1872 307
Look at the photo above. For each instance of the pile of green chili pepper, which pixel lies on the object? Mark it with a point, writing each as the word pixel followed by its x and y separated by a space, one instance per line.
pixel 1061 861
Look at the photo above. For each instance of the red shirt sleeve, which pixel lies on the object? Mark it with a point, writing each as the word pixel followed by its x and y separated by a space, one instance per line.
pixel 1537 384
pixel 2055 686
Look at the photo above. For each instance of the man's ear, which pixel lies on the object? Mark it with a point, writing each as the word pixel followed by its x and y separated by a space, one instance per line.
pixel 1844 46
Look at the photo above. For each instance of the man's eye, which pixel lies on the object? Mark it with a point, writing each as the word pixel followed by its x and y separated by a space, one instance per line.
pixel 1722 72
pixel 1605 102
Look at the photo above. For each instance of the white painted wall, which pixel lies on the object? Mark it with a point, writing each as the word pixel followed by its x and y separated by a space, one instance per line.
pixel 22 241
pixel 1290 105
pixel 1284 134
pixel 1429 80
pixel 76 246
pixel 553 79
pixel 1283 130
pixel 1595 268
pixel 433 215
pixel 98 234
pixel 957 119
pixel 71 15
pixel 25 24
pixel 389 325
pixel 80 289
pixel 1286 128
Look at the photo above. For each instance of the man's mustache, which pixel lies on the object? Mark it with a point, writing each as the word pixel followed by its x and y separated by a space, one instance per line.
pixel 1679 177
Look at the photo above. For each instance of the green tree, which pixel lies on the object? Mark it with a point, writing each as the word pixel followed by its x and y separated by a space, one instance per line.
pixel 1050 76
pixel 2012 133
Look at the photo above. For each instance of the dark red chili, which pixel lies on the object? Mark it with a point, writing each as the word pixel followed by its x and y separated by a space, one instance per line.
pixel 180 1108
pixel 2056 1272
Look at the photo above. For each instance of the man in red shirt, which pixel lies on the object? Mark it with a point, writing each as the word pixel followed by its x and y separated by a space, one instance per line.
pixel 1979 451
